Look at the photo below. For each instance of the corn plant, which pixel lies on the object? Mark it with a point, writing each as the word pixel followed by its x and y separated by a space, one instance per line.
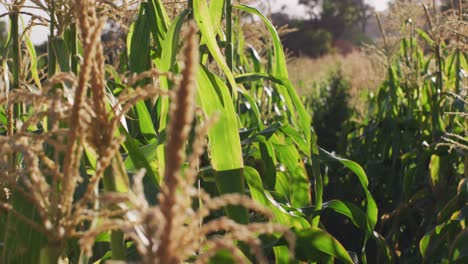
pixel 410 142
pixel 107 159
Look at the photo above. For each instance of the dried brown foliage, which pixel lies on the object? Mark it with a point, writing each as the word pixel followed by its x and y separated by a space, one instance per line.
pixel 75 121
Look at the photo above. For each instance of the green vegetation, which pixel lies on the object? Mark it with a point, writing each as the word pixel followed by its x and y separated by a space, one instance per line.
pixel 411 139
pixel 178 141
pixel 105 158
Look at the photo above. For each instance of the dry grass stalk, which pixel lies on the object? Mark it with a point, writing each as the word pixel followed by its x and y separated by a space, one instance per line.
pixel 49 181
pixel 90 31
pixel 398 22
pixel 181 114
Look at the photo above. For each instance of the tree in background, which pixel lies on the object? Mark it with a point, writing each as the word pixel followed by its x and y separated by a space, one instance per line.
pixel 332 25
pixel 339 16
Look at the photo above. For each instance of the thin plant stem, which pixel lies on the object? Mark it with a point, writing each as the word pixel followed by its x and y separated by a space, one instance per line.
pixel 73 49
pixel 14 110
pixel 440 81
pixel 190 7
pixel 229 47
pixel 52 60
pixel 50 255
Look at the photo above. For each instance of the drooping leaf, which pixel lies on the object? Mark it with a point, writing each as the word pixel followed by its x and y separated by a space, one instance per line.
pixel 224 141
pixel 226 152
pixel 202 17
pixel 33 62
pixel 140 160
pixel 138 42
pixel 280 72
pixel 372 211
pixel 260 195
pixel 312 243
pixel 158 21
pixel 434 243
pixel 292 180
pixel 145 122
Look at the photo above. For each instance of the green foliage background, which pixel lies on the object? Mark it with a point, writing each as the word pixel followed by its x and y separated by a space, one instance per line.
pixel 411 144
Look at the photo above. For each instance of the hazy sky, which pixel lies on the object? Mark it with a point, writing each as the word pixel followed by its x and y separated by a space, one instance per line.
pixel 293 8
pixel 39 34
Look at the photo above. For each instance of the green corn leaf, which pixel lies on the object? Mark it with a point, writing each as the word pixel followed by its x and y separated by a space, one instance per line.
pixel 33 58
pixel 268 157
pixel 216 10
pixel 280 72
pixel 252 77
pixel 296 137
pixel 263 197
pixel 115 179
pixel 62 55
pixel 223 256
pixel 224 137
pixel 312 243
pixel 171 45
pixel 292 180
pixel 385 254
pixel 202 17
pixel 168 62
pixel 464 61
pixel 358 218
pixel 281 255
pixel 165 64
pixel 145 122
pixel 224 141
pixel 283 166
pixel 232 181
pixel 354 213
pixel 438 168
pixel 138 42
pixel 158 21
pixel 136 160
pixel 263 135
pixel 459 249
pixel 256 60
pixel 433 243
pixel 16 233
pixel 371 211
pixel 430 42
pixel 71 39
pixel 147 151
pixel 139 61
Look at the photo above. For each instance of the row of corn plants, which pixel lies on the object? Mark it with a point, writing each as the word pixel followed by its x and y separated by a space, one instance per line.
pixel 186 146
pixel 412 142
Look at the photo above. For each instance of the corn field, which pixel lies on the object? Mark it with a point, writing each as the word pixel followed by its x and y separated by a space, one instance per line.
pixel 178 141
